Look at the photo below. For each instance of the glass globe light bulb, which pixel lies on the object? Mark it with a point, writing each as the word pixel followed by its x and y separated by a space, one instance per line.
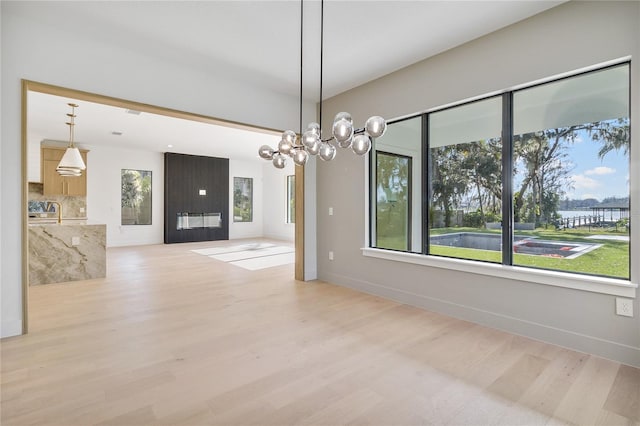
pixel 361 144
pixel 343 115
pixel 314 127
pixel 315 148
pixel 279 161
pixel 342 130
pixel 285 146
pixel 300 157
pixel 375 126
pixel 327 151
pixel 289 136
pixel 309 138
pixel 265 152
pixel 346 143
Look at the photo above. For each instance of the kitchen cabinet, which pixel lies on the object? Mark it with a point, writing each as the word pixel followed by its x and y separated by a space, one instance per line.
pixel 53 183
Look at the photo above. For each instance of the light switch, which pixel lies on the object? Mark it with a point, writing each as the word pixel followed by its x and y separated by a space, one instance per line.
pixel 203 192
pixel 330 211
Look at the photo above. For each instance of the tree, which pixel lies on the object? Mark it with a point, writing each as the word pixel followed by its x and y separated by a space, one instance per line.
pixel 449 182
pixel 132 193
pixel 392 184
pixel 542 160
pixel 614 135
pixel 482 165
pixel 472 171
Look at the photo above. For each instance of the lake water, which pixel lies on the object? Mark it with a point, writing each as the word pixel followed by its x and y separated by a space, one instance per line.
pixel 615 215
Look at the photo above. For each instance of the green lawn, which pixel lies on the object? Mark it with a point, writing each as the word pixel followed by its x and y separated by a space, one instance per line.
pixel 392 242
pixel 611 259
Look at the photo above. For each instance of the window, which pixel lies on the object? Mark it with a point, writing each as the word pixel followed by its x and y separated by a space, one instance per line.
pixel 291 199
pixel 465 209
pixel 242 199
pixel 571 174
pixel 396 196
pixel 393 201
pixel 135 197
pixel 537 177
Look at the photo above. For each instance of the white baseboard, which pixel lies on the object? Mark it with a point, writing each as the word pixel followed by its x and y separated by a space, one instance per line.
pixel 576 341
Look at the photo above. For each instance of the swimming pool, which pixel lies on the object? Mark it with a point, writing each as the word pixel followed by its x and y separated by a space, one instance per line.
pixel 521 244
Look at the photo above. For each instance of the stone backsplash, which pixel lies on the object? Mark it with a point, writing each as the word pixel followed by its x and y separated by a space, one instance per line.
pixel 72 206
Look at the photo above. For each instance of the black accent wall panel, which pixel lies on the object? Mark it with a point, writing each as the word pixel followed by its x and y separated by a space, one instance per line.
pixel 184 176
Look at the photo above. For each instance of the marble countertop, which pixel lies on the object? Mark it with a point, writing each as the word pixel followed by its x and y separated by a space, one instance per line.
pixel 69 251
pixel 65 221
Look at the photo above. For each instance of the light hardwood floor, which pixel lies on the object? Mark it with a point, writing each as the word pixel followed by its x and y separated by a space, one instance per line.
pixel 171 337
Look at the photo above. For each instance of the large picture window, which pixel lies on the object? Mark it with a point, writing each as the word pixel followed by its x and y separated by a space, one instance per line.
pixel 571 174
pixel 537 177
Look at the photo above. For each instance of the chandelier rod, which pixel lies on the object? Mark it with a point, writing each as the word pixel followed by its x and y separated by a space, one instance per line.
pixel 321 59
pixel 301 53
pixel 343 133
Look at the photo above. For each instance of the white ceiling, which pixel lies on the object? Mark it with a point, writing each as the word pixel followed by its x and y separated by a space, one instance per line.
pixel 258 43
pixel 95 124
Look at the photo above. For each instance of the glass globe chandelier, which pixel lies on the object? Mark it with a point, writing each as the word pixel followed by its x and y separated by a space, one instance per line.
pixel 343 133
pixel 71 163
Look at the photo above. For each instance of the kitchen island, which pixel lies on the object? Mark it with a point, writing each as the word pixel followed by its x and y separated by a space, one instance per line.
pixel 69 251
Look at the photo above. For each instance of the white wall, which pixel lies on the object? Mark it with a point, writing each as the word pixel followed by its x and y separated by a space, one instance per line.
pixel 104 166
pixel 33 158
pixel 92 62
pixel 247 169
pixel 275 196
pixel 568 37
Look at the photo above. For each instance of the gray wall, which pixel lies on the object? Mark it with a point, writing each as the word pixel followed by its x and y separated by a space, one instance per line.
pixel 569 37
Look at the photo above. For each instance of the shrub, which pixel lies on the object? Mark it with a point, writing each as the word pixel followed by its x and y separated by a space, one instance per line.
pixel 474 219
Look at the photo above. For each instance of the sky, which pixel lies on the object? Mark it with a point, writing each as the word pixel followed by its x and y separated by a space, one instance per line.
pixel 597 178
pixel 590 176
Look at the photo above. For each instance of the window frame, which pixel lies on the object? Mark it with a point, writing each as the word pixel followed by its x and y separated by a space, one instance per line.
pixel 506 269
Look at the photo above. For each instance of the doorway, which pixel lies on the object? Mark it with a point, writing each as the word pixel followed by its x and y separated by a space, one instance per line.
pixel 30 87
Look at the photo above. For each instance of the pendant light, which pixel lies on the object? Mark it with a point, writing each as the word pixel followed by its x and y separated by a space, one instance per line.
pixel 343 135
pixel 71 163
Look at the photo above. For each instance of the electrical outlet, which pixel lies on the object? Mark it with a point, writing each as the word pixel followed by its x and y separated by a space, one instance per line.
pixel 330 211
pixel 82 210
pixel 330 255
pixel 624 307
pixel 75 241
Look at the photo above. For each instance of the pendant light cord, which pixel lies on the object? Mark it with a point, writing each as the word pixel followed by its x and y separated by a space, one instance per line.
pixel 301 52
pixel 321 57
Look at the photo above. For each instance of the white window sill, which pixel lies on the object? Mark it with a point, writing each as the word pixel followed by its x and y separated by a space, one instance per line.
pixel 603 285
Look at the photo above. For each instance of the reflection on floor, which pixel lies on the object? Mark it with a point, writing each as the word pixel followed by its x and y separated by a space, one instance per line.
pixel 252 256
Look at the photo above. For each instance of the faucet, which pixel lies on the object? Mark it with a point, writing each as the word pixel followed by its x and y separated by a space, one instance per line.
pixel 58 210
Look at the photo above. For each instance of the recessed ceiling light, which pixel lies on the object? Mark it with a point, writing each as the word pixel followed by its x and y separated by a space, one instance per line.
pixel 169 146
pixel 132 111
pixel 116 133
